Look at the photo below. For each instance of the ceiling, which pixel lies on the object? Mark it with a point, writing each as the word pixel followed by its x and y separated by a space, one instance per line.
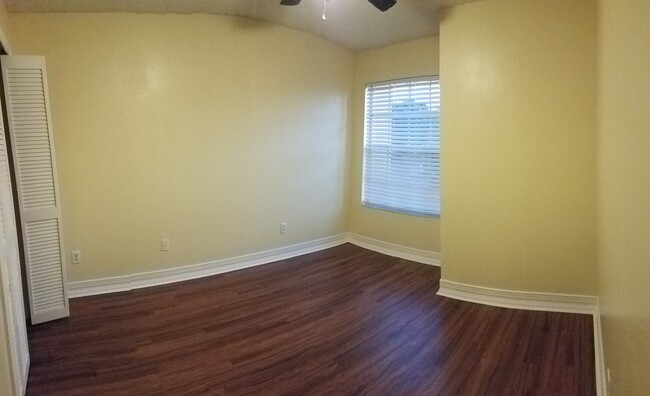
pixel 353 24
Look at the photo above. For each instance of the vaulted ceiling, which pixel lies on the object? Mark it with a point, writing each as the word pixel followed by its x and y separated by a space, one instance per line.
pixel 353 24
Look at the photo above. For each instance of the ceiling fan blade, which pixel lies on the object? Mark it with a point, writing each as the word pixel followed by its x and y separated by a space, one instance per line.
pixel 383 5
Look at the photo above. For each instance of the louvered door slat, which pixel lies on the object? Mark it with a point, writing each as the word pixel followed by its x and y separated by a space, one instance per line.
pixel 44 275
pixel 44 255
pixel 28 108
pixel 33 148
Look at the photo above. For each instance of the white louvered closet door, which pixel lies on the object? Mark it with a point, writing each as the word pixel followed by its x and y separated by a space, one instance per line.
pixel 11 278
pixel 32 145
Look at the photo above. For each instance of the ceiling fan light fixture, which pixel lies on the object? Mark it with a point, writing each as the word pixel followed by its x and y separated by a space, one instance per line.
pixel 383 5
pixel 289 2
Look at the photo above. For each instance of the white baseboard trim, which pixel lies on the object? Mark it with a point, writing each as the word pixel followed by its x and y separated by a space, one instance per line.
pixel 391 249
pixel 518 299
pixel 172 275
pixel 601 371
pixel 178 274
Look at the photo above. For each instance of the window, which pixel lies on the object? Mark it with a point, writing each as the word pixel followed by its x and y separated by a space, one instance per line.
pixel 401 150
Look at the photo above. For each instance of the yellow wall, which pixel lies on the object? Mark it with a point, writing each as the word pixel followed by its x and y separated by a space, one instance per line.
pixel 518 82
pixel 624 192
pixel 408 59
pixel 206 130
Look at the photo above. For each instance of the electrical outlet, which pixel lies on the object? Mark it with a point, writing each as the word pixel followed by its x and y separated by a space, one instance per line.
pixel 76 257
pixel 164 245
pixel 283 228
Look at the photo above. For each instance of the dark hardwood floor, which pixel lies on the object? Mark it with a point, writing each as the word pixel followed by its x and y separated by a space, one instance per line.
pixel 343 321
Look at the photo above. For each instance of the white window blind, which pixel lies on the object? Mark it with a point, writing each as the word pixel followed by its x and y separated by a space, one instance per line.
pixel 401 164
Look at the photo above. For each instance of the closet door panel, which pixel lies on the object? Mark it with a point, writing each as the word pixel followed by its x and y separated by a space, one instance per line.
pixel 30 129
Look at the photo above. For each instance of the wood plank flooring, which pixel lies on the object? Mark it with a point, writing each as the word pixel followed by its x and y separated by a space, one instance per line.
pixel 343 321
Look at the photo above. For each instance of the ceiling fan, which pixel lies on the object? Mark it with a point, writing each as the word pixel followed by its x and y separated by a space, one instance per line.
pixel 382 5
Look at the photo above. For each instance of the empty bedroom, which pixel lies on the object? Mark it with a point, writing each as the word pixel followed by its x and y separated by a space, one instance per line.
pixel 324 197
